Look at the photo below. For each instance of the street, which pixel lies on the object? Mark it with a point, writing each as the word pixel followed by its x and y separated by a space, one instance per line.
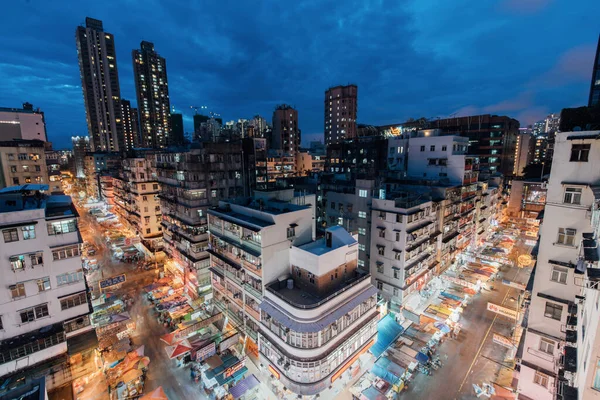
pixel 473 358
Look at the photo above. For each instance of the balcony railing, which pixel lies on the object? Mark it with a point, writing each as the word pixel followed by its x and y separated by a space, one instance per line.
pixel 253 291
pixel 251 311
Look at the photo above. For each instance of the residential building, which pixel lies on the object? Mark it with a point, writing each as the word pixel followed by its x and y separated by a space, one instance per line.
pixel 594 99
pixel 22 123
pixel 561 346
pixel 255 163
pixel 136 190
pixel 308 163
pixel 81 146
pixel 285 136
pixel 131 129
pixel 440 158
pixel 44 299
pixel 21 162
pixel 525 151
pixel 177 136
pixel 325 312
pixel 268 273
pixel 492 138
pixel 526 201
pixel 191 181
pixel 152 89
pixel 99 169
pixel 280 165
pixel 53 163
pixel 100 85
pixel 207 129
pixel 341 105
pixel 403 246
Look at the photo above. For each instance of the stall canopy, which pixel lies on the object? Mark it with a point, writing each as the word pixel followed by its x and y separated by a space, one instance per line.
pixel 387 331
pixel 179 349
pixel 422 358
pixel 156 394
pixel 244 386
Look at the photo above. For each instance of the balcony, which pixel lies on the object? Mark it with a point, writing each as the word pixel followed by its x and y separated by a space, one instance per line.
pixel 253 291
pixel 252 312
pixel 234 278
pixel 255 270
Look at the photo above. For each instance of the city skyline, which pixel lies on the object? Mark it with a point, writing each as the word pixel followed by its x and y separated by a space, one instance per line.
pixel 505 63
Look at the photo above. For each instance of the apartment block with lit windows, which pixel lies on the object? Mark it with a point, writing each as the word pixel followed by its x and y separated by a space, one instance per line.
pixel 22 162
pixel 44 296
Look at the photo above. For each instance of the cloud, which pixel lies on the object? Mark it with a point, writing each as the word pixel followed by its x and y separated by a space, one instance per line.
pixel 409 59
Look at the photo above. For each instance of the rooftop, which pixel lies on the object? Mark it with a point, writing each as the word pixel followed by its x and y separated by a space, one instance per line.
pixel 32 197
pixel 339 238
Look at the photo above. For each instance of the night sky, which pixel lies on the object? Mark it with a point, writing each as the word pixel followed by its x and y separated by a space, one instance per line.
pixel 414 58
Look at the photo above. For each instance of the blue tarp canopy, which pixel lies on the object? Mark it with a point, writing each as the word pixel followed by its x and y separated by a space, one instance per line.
pixel 451 296
pixel 373 394
pixel 422 358
pixel 244 386
pixel 387 331
pixel 381 372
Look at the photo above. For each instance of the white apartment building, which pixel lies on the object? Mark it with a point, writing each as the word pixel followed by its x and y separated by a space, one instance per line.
pixel 561 349
pixel 24 123
pixel 249 245
pixel 43 296
pixel 319 315
pixel 404 244
pixel 440 158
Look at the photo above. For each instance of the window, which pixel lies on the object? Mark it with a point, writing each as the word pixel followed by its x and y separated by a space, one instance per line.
pixel 380 268
pixel 553 311
pixel 60 227
pixel 37 168
pixel 363 193
pixel 580 152
pixel 73 301
pixel 422 148
pixel 566 236
pixel 333 205
pixel 17 291
pixel 66 252
pixel 444 148
pixel 148 231
pixel 37 258
pixel 28 232
pixel 596 384
pixel 147 219
pixel 541 379
pixel 559 274
pixel 572 195
pixel 10 235
pixel 379 285
pixel 362 231
pixel 362 214
pixel 69 277
pixel 13 168
pixel 17 263
pixel 381 250
pixel 547 346
pixel 31 314
pixel 432 148
pixel 382 233
pixel 399 218
pixel 143 186
pixel 361 263
pixel 361 247
pixel 397 236
pixel 397 255
pixel 22 157
pixel 396 274
pixel 155 186
pixel 15 181
pixel 291 232
pixel 43 284
pixel 1 324
pixel 381 214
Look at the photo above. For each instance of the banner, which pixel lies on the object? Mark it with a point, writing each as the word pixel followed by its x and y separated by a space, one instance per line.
pixel 507 312
pixel 112 281
pixel 503 341
pixel 206 352
pixel 515 285
pixel 234 368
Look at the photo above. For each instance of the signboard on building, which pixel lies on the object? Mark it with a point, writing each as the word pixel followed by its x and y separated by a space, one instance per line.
pixel 507 312
pixel 206 352
pixel 503 341
pixel 189 328
pixel 234 368
pixel 228 342
pixel 112 281
pixel 515 285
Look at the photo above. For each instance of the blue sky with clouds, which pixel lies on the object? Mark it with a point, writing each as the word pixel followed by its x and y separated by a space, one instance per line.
pixel 409 58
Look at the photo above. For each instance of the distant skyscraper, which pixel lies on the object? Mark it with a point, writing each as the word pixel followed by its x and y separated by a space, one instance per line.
pixel 150 72
pixel 100 85
pixel 176 137
pixel 341 103
pixel 285 135
pixel 81 145
pixel 595 86
pixel 131 131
